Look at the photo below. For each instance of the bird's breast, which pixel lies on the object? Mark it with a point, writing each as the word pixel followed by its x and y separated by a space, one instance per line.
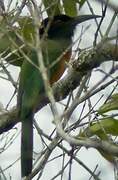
pixel 56 53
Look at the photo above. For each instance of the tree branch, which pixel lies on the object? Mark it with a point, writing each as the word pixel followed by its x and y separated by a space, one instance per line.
pixel 86 61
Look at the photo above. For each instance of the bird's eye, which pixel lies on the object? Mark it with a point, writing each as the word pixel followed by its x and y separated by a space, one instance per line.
pixel 58 21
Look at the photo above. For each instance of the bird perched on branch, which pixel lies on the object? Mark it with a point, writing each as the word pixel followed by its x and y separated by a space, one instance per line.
pixel 56 39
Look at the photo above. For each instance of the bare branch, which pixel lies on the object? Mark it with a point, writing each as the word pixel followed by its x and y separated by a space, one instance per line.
pixel 86 62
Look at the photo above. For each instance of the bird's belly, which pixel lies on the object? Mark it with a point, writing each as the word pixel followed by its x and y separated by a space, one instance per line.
pixel 61 67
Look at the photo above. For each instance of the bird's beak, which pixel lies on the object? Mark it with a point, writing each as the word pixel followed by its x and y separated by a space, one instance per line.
pixel 79 19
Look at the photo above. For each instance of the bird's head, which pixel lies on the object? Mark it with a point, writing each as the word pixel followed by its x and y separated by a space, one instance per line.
pixel 62 26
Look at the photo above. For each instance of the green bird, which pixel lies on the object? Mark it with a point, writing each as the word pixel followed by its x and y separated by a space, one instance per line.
pixel 56 35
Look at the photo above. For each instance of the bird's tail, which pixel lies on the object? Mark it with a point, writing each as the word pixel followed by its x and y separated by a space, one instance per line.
pixel 27 146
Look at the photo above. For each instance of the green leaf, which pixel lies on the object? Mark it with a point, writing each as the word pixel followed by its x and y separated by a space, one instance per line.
pixel 6 45
pixel 112 104
pixel 70 7
pixel 10 42
pixel 51 7
pixel 108 157
pixel 102 128
pixel 26 28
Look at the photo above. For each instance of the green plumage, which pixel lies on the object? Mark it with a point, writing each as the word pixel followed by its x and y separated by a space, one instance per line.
pixel 31 85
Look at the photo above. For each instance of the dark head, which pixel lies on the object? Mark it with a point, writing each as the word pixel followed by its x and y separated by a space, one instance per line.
pixel 62 26
pixel 55 26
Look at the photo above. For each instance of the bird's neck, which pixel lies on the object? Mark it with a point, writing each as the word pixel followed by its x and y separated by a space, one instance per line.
pixel 57 44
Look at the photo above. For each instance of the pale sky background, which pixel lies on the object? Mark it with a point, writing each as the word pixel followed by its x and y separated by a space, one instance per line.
pixel 90 157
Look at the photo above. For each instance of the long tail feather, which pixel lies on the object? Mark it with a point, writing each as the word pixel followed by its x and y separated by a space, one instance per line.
pixel 26 146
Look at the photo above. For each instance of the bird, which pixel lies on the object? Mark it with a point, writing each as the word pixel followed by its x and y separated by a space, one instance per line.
pixel 56 34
